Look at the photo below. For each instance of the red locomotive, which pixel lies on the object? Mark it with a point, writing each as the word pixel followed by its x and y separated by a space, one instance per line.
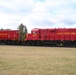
pixel 53 36
pixel 9 36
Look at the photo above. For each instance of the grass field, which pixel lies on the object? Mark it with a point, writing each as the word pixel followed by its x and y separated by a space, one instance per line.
pixel 24 60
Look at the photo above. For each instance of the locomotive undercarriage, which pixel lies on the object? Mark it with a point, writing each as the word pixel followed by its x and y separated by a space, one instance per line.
pixel 33 43
pixel 9 42
pixel 51 43
pixel 40 43
pixel 66 43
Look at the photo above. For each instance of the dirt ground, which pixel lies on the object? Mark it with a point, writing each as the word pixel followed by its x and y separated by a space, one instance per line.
pixel 28 60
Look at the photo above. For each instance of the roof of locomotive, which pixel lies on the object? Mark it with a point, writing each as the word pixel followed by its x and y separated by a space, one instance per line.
pixel 36 29
pixel 9 31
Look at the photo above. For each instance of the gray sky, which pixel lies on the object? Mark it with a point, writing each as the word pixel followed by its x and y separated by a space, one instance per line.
pixel 38 13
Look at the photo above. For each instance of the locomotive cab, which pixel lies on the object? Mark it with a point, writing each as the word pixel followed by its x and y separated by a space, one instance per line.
pixel 34 37
pixel 35 34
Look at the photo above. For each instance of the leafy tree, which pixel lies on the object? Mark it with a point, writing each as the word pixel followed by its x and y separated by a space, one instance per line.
pixel 22 32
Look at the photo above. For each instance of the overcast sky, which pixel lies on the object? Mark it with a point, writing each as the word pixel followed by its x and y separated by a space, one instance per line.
pixel 38 13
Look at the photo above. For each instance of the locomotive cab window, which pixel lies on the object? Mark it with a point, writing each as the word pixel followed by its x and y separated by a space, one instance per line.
pixel 34 32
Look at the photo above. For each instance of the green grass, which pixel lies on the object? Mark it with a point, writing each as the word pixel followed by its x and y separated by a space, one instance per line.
pixel 23 60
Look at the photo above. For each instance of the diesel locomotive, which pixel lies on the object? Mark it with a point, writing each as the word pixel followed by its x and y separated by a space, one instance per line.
pixel 39 37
